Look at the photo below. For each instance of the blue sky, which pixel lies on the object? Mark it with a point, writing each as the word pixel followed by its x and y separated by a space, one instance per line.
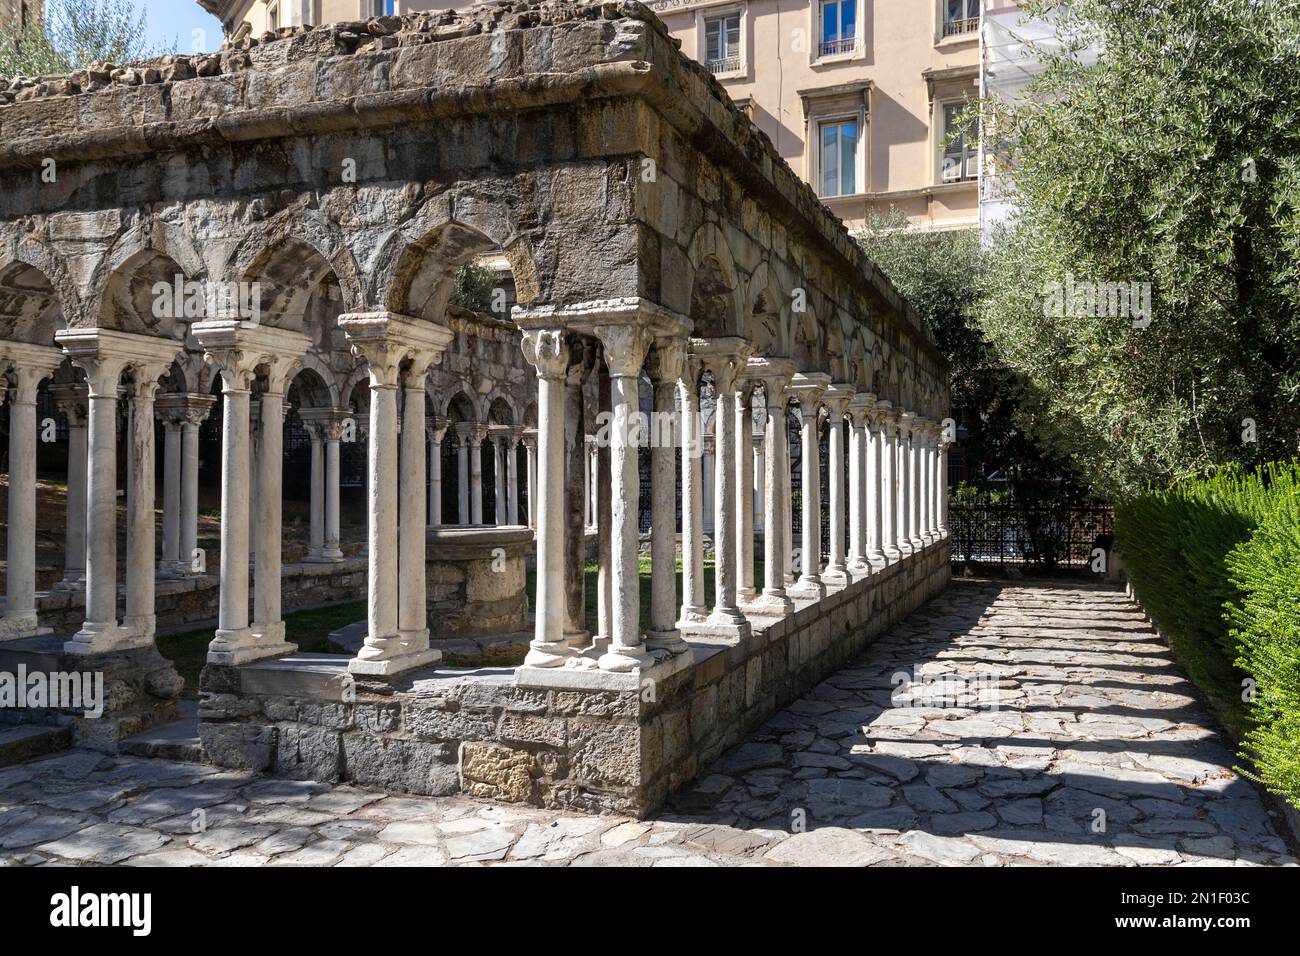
pixel 171 25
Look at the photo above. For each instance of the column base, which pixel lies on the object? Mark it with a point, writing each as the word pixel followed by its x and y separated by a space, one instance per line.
pixel 723 629
pixel 670 641
pixel 94 638
pixel 71 582
pixel 547 654
pixel 577 639
pixel 771 604
pixel 269 633
pixel 893 554
pixel 415 641
pixel 141 627
pixel 877 560
pixel 173 569
pixel 621 660
pixel 241 646
pixel 696 614
pixel 835 574
pixel 745 596
pixel 917 544
pixel 809 586
pixel 388 666
pixel 20 625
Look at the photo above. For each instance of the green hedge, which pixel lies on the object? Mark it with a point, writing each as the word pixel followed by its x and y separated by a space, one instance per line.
pixel 1216 562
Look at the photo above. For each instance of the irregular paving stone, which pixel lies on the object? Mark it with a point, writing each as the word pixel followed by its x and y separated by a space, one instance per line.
pixel 938 849
pixel 828 846
pixel 104 843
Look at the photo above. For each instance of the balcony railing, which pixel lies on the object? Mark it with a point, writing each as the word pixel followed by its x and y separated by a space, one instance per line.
pixel 838 47
pixel 952 28
pixel 728 64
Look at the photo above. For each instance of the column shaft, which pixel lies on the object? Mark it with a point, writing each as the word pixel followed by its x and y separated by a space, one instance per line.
pixel 744 459
pixel 189 493
pixel 316 539
pixel 20 619
pixel 171 537
pixel 693 609
pixel 268 620
pixel 412 613
pixel 74 548
pixel 140 567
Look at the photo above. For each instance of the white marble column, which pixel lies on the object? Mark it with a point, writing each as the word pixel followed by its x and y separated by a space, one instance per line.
pixel 924 479
pixel 859 438
pixel 333 550
pixel 28 365
pixel 913 452
pixel 530 443
pixel 708 479
pixel 625 348
pixel 386 341
pixel 889 480
pixel 476 435
pixel 236 351
pixel 268 620
pixel 836 403
pixel 512 476
pixel 434 435
pixel 666 364
pixel 140 620
pixel 725 359
pixel 875 490
pixel 941 483
pixel 774 601
pixel 171 535
pixel 498 477
pixel 413 515
pixel 759 478
pixel 71 398
pixel 788 568
pixel 589 480
pixel 744 464
pixel 809 389
pixel 693 610
pixel 316 535
pixel 903 453
pixel 462 472
pixel 197 409
pixel 545 350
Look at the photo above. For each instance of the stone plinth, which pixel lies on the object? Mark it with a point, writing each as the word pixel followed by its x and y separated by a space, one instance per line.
pixel 477 581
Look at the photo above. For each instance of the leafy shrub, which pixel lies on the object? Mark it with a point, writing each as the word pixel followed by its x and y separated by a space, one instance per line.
pixel 1266 625
pixel 1207 551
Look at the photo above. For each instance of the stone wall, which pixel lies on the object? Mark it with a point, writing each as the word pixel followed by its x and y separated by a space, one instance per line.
pixel 440 731
pixel 193 600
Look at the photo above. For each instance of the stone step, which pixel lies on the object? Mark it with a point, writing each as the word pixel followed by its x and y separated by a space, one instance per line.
pixel 178 740
pixel 19 744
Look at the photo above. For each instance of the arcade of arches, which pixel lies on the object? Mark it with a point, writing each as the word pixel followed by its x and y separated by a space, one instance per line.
pixel 684 302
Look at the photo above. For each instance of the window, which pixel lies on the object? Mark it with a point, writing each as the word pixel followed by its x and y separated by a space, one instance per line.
pixel 722 43
pixel 960 144
pixel 960 16
pixel 839 157
pixel 839 27
pixel 382 8
pixel 273 17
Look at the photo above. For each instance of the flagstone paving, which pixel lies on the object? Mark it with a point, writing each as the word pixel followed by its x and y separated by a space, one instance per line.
pixel 1065 734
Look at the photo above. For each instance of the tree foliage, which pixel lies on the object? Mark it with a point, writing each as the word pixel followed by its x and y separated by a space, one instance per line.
pixel 1172 158
pixel 76 33
pixel 942 275
pixel 474 288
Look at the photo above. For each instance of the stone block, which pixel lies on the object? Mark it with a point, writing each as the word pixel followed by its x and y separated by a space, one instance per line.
pixel 406 765
pixel 496 772
pixel 240 746
pixel 308 753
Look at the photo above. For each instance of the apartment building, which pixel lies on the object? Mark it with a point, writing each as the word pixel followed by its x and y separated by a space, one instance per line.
pixel 864 98
pixel 15 15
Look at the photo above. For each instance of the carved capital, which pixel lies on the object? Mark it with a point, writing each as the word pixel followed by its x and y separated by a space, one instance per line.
pixel 667 361
pixel 546 351
pixel 625 348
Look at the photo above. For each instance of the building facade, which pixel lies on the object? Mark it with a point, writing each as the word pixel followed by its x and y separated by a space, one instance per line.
pixel 15 15
pixel 863 98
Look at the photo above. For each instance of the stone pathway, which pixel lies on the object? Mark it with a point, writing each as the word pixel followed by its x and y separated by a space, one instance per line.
pixel 1064 735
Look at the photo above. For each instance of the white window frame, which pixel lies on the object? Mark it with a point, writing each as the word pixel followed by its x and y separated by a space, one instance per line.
pixel 968 175
pixel 367 11
pixel 273 15
pixel 831 118
pixel 941 34
pixel 859 51
pixel 717 12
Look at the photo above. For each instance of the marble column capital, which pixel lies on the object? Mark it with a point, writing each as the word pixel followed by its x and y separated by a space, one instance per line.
pixel 392 344
pixel 70 398
pixel 529 438
pixel 471 433
pixel 809 387
pixel 836 400
pixel 907 424
pixel 886 417
pixel 547 351
pixel 862 409
pixel 237 351
pixel 724 358
pixel 436 430
pixel 184 408
pixel 625 348
pixel 28 365
pixel 667 361
pixel 105 354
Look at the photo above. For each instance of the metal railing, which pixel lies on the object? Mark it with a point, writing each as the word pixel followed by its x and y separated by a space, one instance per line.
pixel 952 28
pixel 1043 535
pixel 838 47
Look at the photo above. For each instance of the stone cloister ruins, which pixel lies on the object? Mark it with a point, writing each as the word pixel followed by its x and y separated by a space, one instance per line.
pixel 682 297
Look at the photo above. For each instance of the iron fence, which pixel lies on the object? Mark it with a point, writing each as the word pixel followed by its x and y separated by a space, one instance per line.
pixel 1039 535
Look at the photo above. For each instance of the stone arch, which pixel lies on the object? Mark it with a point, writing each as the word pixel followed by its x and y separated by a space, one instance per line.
pixel 317 381
pixel 360 375
pixel 151 241
pixel 31 308
pixel 717 301
pixel 415 263
pixel 502 409
pixel 767 318
pixel 291 256
pixel 460 407
pixel 137 296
